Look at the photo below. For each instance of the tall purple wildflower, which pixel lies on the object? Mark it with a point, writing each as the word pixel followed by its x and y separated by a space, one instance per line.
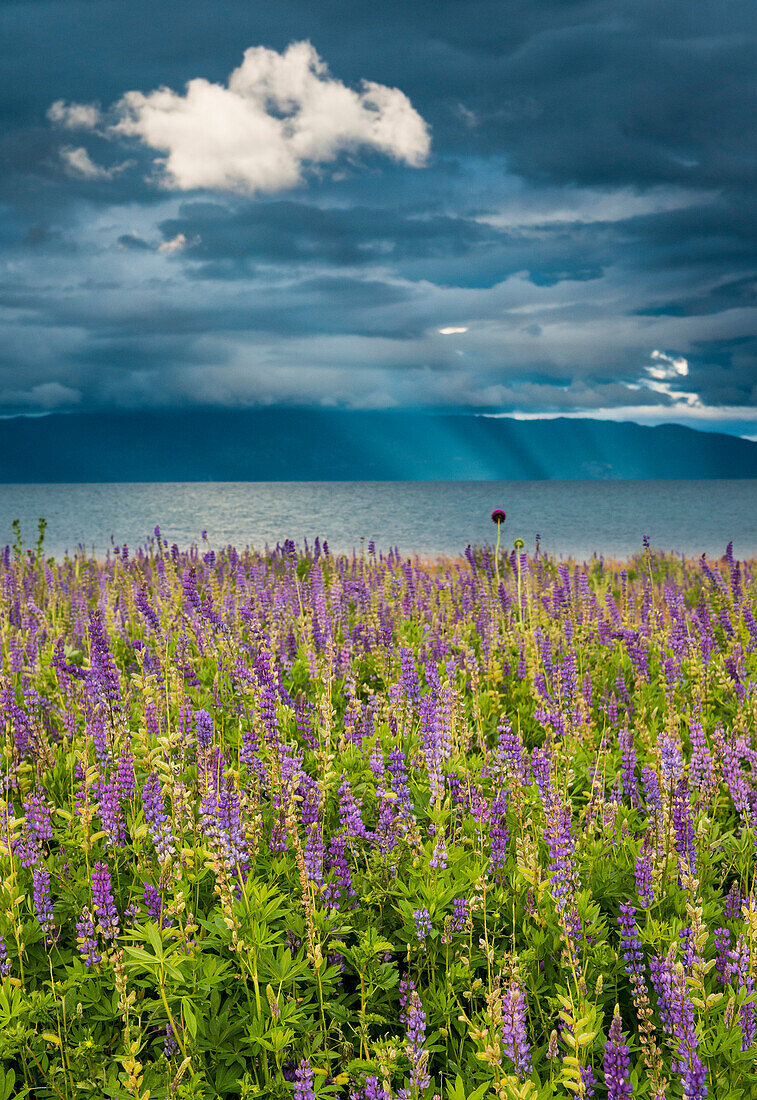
pixel 5 966
pixel 313 853
pixel 86 933
pixel 722 940
pixel 700 765
pixel 103 676
pixel 203 730
pixel 109 808
pixel 514 1035
pixel 338 892
pixel 102 899
pixel 157 819
pixel 683 823
pixel 628 756
pixel 304 1086
pixel 38 817
pixel 617 1062
pixel 422 919
pixel 688 1063
pixel 43 907
pixel 499 834
pixel 672 763
pixel 744 983
pixel 630 944
pixel 651 787
pixel 661 971
pixel 733 903
pixel 562 868
pixel 154 905
pixel 126 780
pixel 397 767
pixel 644 880
pixel 221 815
pixel 414 1019
pixel 431 740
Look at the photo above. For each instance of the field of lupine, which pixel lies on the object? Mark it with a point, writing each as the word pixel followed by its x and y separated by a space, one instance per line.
pixel 295 824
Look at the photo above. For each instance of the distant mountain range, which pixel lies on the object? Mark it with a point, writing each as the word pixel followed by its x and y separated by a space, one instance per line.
pixel 333 445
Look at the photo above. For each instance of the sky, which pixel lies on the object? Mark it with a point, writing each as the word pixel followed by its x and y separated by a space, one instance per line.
pixel 530 207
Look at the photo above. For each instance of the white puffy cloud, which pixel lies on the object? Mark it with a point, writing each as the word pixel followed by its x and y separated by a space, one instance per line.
pixel 78 163
pixel 174 245
pixel 74 116
pixel 668 366
pixel 279 114
pixel 665 370
pixel 451 330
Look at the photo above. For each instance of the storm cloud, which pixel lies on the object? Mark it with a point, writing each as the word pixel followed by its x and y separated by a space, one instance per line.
pixel 531 208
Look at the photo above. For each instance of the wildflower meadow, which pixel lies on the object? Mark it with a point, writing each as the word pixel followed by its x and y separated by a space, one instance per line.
pixel 296 824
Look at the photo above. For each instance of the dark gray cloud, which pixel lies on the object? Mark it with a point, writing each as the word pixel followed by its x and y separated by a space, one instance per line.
pixel 588 200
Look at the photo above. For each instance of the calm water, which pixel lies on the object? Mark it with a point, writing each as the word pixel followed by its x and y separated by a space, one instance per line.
pixel 573 517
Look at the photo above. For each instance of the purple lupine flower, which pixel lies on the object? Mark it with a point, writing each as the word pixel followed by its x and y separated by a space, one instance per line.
pixel 688 1063
pixel 156 817
pixel 154 905
pixel 109 808
pixel 148 611
pixel 661 970
pixel 617 1062
pixel 5 966
pixel 562 868
pixel 349 812
pixel 514 1035
pixel 630 944
pixel 26 847
pixel 512 752
pixel 628 754
pixel 672 764
pixel 103 676
pixel 204 730
pixel 414 1019
pixel 102 899
pixel 38 817
pixel 221 815
pixel 375 1089
pixel 189 588
pixel 304 1085
pixel 683 823
pixel 438 860
pixel 722 961
pixel 170 1046
pixel 499 834
pixel 87 938
pixel 422 919
pixel 687 949
pixel 43 907
pixel 744 983
pixel 313 852
pixel 311 799
pixel 733 903
pixel 651 788
pixel 126 780
pixel 700 765
pixel 541 764
pixel 460 914
pixel 95 727
pixel 644 881
pixel 397 768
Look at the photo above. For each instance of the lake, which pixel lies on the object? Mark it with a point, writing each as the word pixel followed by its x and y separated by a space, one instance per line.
pixel 573 518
